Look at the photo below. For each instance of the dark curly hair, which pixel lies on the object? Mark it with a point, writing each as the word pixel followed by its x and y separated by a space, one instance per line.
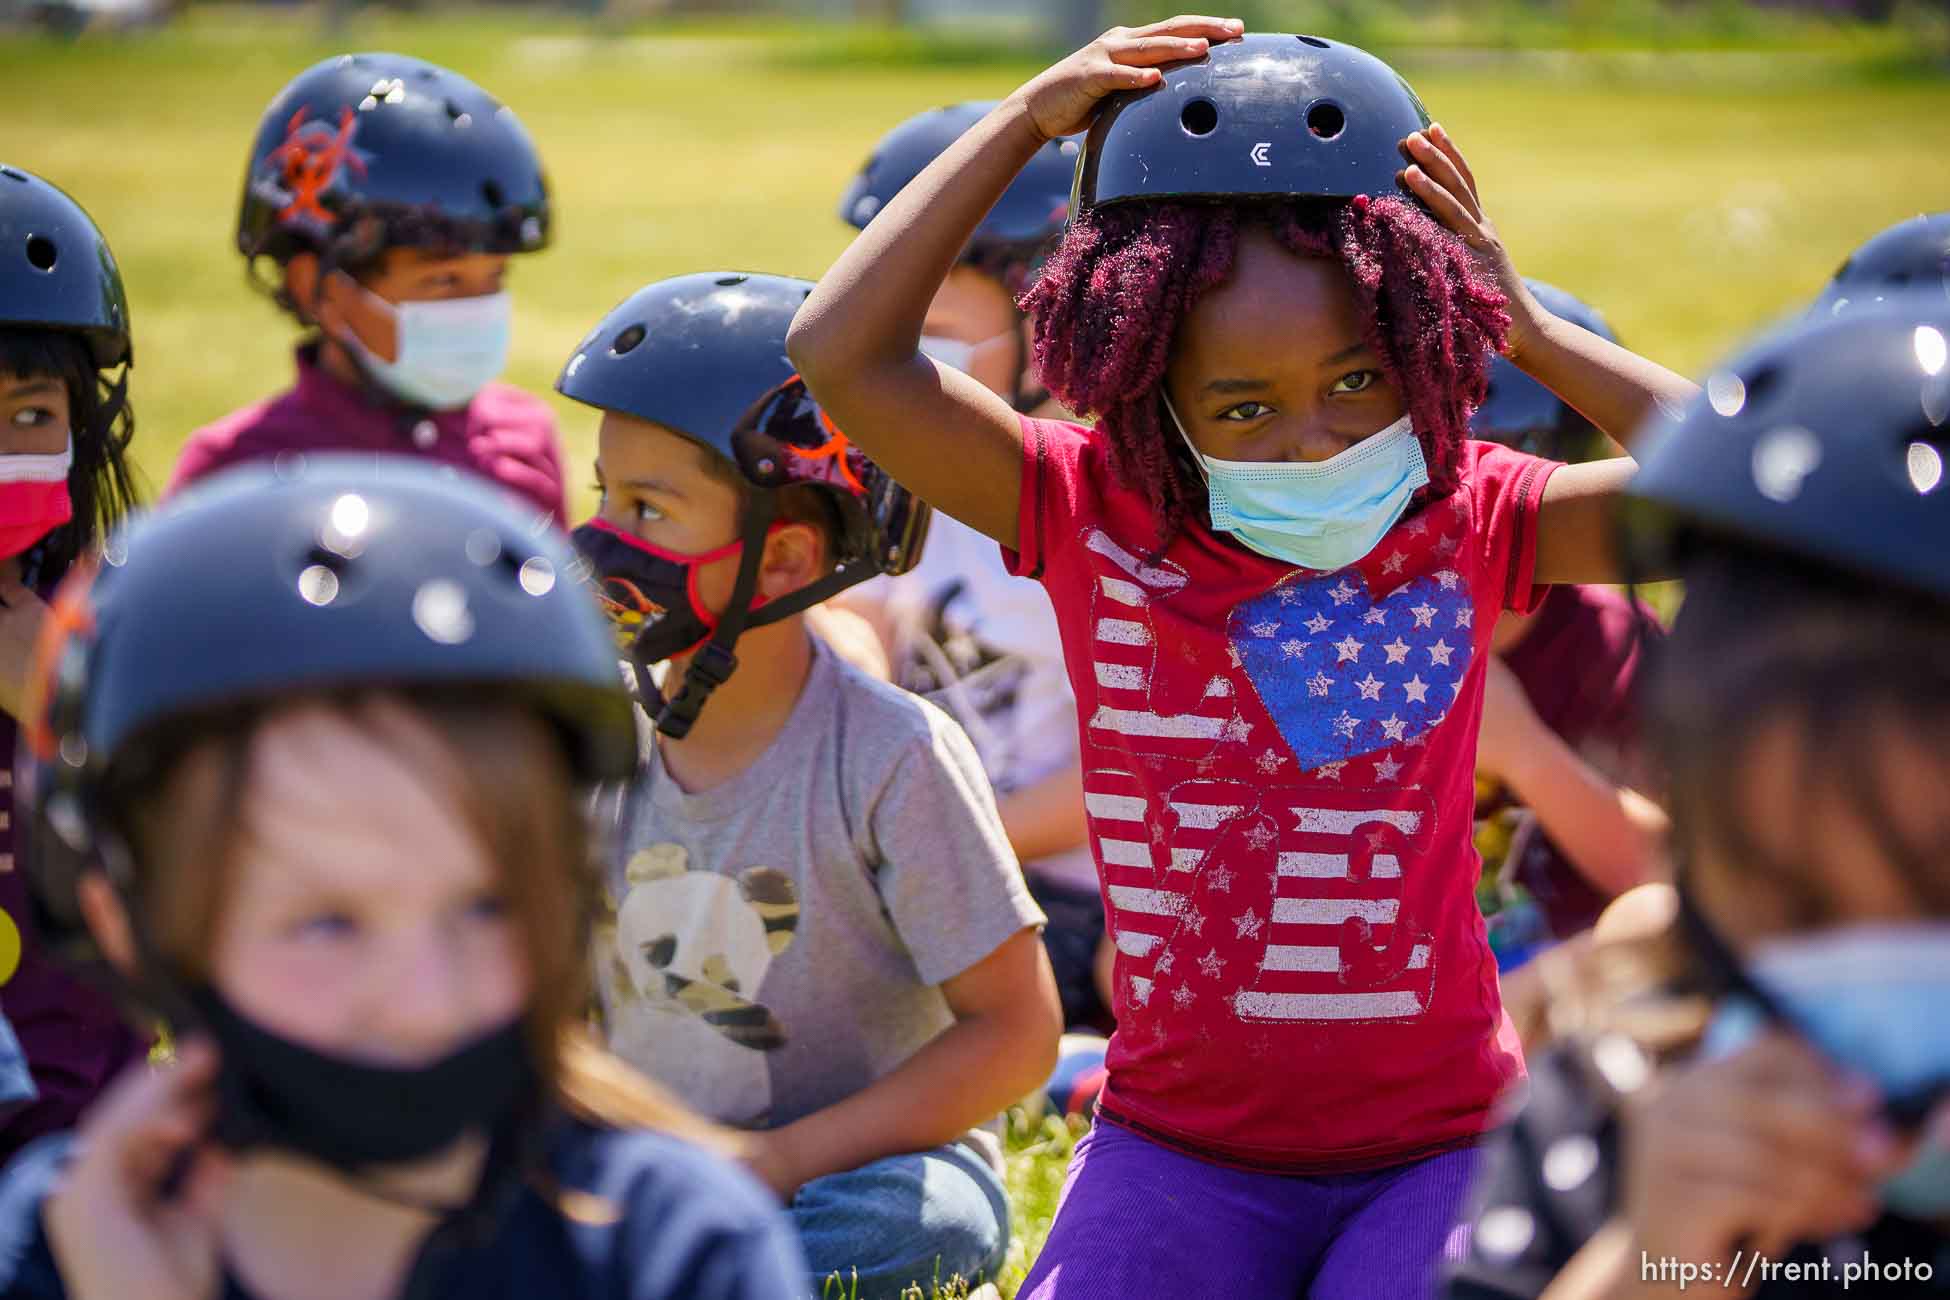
pixel 101 483
pixel 1109 302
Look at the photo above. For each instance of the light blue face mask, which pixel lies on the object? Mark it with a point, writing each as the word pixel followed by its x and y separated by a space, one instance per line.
pixel 1873 999
pixel 449 350
pixel 1321 515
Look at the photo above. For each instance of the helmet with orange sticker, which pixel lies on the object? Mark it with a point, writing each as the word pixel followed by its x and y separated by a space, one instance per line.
pixel 384 150
pixel 704 357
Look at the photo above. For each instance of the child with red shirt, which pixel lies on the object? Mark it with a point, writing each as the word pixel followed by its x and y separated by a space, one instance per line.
pixel 1276 641
pixel 389 194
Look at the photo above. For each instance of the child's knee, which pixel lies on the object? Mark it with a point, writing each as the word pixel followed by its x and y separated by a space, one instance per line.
pixel 911 1218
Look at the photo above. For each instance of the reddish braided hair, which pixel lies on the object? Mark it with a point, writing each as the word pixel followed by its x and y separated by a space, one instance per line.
pixel 1108 303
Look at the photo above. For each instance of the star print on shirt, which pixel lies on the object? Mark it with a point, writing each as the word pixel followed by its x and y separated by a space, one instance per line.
pixel 1424 615
pixel 1265 629
pixel 1294 648
pixel 1319 684
pixel 1448 578
pixel 1394 728
pixel 1439 654
pixel 1341 592
pixel 1416 689
pixel 1318 623
pixel 1376 617
pixel 1397 651
pixel 1166 960
pixel 1347 648
pixel 1465 617
pixel 1261 836
pixel 1212 964
pixel 1238 731
pixel 1387 770
pixel 1393 564
pixel 1247 926
pixel 1218 879
pixel 1270 762
pixel 1181 997
pixel 1370 687
pixel 1331 771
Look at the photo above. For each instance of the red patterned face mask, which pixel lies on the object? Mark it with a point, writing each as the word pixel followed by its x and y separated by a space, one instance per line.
pixel 34 498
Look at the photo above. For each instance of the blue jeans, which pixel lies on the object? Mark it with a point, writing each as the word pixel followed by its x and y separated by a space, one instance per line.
pixel 900 1221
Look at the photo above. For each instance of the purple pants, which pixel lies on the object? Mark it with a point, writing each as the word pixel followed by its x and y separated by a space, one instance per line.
pixel 1137 1218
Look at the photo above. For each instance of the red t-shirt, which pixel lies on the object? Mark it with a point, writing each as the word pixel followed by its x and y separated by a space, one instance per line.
pixel 1278 776
pixel 504 435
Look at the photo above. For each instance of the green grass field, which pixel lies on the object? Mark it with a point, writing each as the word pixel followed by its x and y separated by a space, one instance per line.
pixel 1694 198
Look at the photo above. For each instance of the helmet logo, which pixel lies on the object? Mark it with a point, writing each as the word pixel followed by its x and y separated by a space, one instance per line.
pixel 838 451
pixel 1261 154
pixel 307 164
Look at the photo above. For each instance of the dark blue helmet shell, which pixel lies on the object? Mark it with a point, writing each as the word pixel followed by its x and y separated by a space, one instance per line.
pixel 435 160
pixel 56 271
pixel 1266 116
pixel 1826 440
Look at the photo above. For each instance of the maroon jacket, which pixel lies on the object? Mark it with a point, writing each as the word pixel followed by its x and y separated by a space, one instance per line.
pixel 75 1039
pixel 504 434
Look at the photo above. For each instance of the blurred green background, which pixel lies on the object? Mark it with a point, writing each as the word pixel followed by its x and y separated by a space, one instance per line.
pixel 1695 175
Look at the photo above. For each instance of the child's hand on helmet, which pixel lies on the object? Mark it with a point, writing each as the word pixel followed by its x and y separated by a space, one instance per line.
pixel 1062 100
pixel 1438 175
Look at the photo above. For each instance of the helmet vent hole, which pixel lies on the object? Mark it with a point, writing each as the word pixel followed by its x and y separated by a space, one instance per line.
pixel 1200 117
pixel 459 116
pixel 492 192
pixel 1314 41
pixel 13 175
pixel 726 281
pixel 626 341
pixel 1761 385
pixel 41 252
pixel 1326 120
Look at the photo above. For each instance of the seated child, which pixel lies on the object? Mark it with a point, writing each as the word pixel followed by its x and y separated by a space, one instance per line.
pixel 819 933
pixel 65 425
pixel 389 194
pixel 1763 1095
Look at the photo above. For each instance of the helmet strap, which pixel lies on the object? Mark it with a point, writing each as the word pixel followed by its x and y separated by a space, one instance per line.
pixel 714 661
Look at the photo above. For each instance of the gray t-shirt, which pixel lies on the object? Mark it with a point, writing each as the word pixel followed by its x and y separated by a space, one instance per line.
pixel 777 941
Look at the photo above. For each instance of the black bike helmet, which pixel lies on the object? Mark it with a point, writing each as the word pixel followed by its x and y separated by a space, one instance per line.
pixel 1268 115
pixel 1827 440
pixel 1024 221
pixel 1911 256
pixel 56 272
pixel 361 571
pixel 1520 412
pixel 391 151
pixel 704 356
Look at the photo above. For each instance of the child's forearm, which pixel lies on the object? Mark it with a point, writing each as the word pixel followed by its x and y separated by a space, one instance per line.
pixel 1047 817
pixel 1613 387
pixel 1613 835
pixel 869 308
pixel 969 1074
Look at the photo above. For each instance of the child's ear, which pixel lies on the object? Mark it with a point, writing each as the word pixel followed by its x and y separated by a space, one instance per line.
pixel 302 284
pixel 794 558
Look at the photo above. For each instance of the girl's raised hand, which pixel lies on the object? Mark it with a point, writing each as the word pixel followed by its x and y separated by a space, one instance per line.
pixel 1438 175
pixel 116 1227
pixel 1061 100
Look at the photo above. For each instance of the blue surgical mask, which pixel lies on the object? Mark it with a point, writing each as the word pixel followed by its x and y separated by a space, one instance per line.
pixel 1871 998
pixel 449 350
pixel 1324 514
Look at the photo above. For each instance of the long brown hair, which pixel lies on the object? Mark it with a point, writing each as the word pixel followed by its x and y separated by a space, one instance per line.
pixel 506 772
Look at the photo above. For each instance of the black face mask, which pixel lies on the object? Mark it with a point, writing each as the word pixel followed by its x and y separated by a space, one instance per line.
pixel 274 1092
pixel 648 593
